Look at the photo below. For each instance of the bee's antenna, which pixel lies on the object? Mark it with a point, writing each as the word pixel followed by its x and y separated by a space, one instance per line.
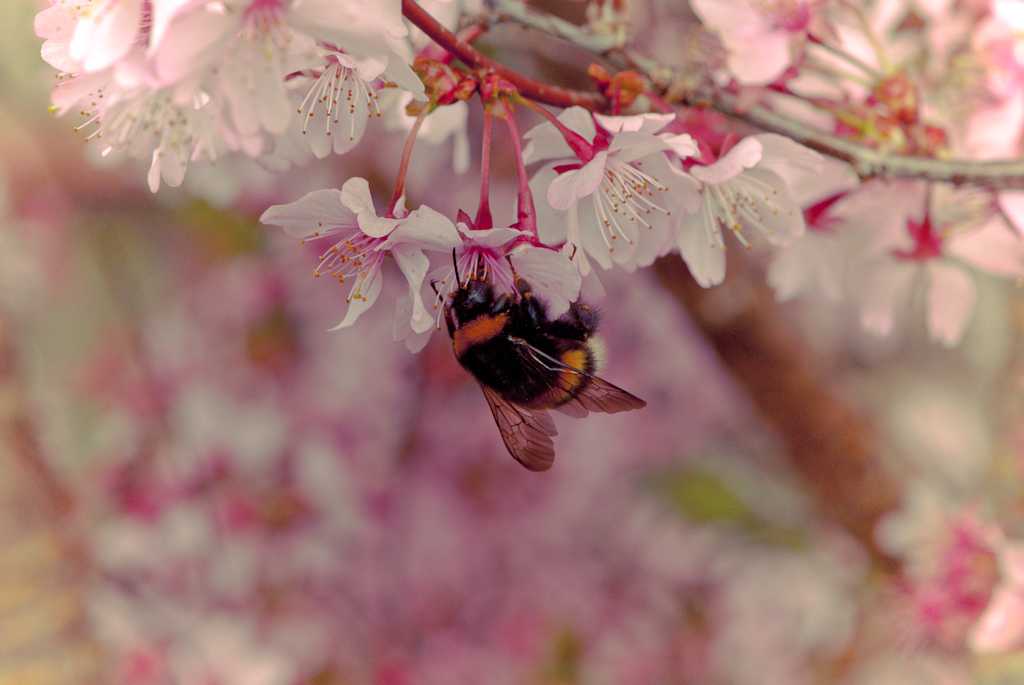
pixel 455 261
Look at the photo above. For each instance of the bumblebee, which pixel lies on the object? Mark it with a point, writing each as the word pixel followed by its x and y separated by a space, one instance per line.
pixel 527 363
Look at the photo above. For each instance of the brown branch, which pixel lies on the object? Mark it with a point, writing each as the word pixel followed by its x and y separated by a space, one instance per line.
pixel 473 58
pixel 831 444
pixel 868 162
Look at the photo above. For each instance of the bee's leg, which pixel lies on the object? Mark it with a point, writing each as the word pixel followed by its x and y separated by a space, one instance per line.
pixel 579 323
pixel 501 303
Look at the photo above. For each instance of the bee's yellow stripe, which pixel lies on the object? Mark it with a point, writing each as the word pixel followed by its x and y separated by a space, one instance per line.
pixel 479 330
pixel 577 359
pixel 568 384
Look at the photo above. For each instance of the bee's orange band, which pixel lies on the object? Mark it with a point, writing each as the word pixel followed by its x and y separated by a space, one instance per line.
pixel 479 330
pixel 577 359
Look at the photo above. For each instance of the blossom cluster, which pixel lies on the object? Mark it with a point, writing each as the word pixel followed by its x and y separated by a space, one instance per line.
pixel 180 82
pixel 283 81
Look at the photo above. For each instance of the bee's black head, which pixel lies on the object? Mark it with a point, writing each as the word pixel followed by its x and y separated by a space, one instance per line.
pixel 473 298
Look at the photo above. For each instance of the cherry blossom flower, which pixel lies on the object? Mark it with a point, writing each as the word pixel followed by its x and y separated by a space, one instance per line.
pixel 346 91
pixel 234 61
pixel 245 47
pixel 611 187
pixel 912 252
pixel 815 264
pixel 763 38
pixel 149 124
pixel 745 189
pixel 948 565
pixel 363 241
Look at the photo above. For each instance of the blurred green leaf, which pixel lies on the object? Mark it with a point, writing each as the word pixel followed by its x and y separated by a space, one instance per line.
pixel 224 233
pixel 702 497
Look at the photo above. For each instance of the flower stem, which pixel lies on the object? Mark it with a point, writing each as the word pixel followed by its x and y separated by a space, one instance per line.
pixel 860 65
pixel 483 212
pixel 404 166
pixel 527 213
pixel 580 145
pixel 530 88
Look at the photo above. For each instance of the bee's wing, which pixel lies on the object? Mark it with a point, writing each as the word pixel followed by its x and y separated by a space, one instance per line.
pixel 598 395
pixel 526 432
pixel 601 396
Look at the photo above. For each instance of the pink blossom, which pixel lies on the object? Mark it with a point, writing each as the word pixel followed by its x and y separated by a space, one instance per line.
pixel 910 250
pixel 745 189
pixel 763 37
pixel 612 191
pixel 346 90
pixel 364 239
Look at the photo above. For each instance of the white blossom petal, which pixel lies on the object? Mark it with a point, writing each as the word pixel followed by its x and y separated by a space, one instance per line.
pixel 550 274
pixel 951 296
pixel 570 186
pixel 359 301
pixel 744 155
pixel 884 288
pixel 314 214
pixel 1001 626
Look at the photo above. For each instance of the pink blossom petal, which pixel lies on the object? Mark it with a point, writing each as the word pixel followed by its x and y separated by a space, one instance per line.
pixel 191 43
pixel 366 68
pixel 427 229
pixel 779 216
pixel 683 144
pixel 355 195
pixel 106 33
pixel 570 186
pixel 705 260
pixel 491 237
pixel 779 154
pixel 551 275
pixel 643 123
pixel 1012 204
pixel 758 59
pixel 579 120
pixel 1001 626
pixel 812 265
pixel 885 288
pixel 164 13
pixel 744 155
pixel 316 213
pixel 629 146
pixel 546 142
pixel 414 264
pixel 991 247
pixel 357 305
pixel 401 74
pixel 359 27
pixel 951 296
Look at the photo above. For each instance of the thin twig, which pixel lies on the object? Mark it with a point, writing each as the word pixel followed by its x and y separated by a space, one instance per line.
pixel 867 162
pixel 523 14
